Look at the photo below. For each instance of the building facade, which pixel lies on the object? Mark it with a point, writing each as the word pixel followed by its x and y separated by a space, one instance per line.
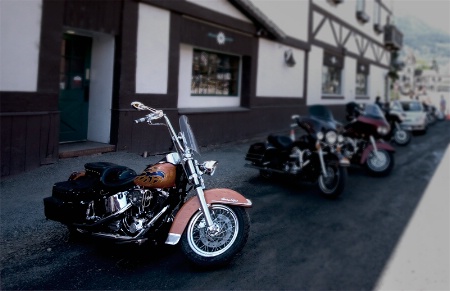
pixel 237 68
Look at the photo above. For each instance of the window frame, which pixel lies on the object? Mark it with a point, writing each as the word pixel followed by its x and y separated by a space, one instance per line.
pixel 234 80
pixel 362 68
pixel 336 63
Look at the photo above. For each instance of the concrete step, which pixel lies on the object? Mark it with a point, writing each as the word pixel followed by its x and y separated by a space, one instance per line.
pixel 85 148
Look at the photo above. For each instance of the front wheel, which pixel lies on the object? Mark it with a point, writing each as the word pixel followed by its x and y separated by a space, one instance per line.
pixel 380 163
pixel 402 137
pixel 333 185
pixel 217 246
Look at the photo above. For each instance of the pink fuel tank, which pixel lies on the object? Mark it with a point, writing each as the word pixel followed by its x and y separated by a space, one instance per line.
pixel 161 175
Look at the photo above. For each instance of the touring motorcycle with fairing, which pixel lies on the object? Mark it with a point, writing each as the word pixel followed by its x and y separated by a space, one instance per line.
pixel 113 202
pixel 313 157
pixel 365 139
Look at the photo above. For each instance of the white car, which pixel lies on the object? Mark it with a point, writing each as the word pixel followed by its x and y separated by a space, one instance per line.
pixel 414 116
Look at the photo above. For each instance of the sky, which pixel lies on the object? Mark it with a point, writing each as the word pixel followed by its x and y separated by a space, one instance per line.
pixel 435 13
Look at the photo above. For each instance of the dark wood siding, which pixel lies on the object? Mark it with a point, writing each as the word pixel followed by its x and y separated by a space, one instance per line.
pixel 30 120
pixel 29 140
pixel 95 15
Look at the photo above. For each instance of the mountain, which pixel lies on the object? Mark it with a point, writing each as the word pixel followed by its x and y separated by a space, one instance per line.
pixel 427 42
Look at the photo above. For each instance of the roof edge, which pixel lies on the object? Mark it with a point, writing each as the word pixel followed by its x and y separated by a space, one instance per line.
pixel 258 17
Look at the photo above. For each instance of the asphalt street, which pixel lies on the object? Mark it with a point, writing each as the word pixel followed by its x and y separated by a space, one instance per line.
pixel 298 240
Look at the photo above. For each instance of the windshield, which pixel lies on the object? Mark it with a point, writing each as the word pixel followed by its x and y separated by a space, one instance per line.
pixel 373 111
pixel 320 112
pixel 185 128
pixel 396 106
pixel 412 106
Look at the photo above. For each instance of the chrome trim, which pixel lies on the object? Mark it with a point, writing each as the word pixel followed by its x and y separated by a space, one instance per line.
pixel 249 203
pixel 115 203
pixel 172 239
pixel 322 163
pixel 173 158
pixel 372 141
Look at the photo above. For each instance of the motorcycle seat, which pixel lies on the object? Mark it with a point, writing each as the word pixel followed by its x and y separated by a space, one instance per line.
pixel 97 169
pixel 116 176
pixel 280 141
pixel 110 174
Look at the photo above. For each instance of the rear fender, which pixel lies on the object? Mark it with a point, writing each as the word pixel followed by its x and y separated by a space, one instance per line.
pixel 380 145
pixel 212 196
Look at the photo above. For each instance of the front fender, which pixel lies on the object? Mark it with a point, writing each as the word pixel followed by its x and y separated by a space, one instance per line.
pixel 380 145
pixel 212 196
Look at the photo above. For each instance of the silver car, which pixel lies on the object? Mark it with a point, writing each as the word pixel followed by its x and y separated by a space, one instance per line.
pixel 414 116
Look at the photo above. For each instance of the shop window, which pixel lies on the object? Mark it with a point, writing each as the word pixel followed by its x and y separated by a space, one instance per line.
pixel 362 77
pixel 214 74
pixel 332 74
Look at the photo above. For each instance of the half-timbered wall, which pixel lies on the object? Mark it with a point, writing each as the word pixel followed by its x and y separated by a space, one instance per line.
pixel 335 29
pixel 143 51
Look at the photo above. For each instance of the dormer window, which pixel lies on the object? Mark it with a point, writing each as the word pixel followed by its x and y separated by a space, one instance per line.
pixel 377 26
pixel 361 15
pixel 335 2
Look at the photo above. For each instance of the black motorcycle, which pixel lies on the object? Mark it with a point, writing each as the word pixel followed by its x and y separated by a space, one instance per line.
pixel 311 158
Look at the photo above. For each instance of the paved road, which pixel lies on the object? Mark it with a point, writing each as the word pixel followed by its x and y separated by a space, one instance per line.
pixel 298 239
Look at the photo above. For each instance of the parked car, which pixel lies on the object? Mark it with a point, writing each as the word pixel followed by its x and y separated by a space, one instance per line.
pixel 415 117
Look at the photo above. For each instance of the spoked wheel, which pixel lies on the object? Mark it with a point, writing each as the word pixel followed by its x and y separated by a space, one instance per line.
pixel 380 163
pixel 216 246
pixel 402 137
pixel 333 185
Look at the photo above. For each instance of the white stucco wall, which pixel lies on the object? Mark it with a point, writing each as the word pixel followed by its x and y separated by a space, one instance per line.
pixel 221 6
pixel 349 79
pixel 315 61
pixel 377 82
pixel 152 50
pixel 101 84
pixel 185 100
pixel 20 33
pixel 291 16
pixel 275 78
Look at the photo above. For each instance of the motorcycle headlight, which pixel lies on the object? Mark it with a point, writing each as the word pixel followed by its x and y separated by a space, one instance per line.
pixel 320 135
pixel 340 138
pixel 383 130
pixel 331 137
pixel 208 167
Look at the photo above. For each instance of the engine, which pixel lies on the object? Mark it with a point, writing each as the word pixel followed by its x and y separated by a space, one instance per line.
pixel 349 147
pixel 298 159
pixel 128 212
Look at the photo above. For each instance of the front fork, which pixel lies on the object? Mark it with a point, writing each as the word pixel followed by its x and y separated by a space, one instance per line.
pixel 375 149
pixel 322 162
pixel 199 185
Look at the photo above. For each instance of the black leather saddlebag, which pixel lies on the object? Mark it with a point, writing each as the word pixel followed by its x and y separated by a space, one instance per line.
pixel 256 152
pixel 70 199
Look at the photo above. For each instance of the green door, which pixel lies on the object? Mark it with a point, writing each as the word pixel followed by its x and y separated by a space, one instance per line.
pixel 74 87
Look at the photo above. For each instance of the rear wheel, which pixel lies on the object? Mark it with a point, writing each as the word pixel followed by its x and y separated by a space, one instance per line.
pixel 206 247
pixel 333 185
pixel 380 163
